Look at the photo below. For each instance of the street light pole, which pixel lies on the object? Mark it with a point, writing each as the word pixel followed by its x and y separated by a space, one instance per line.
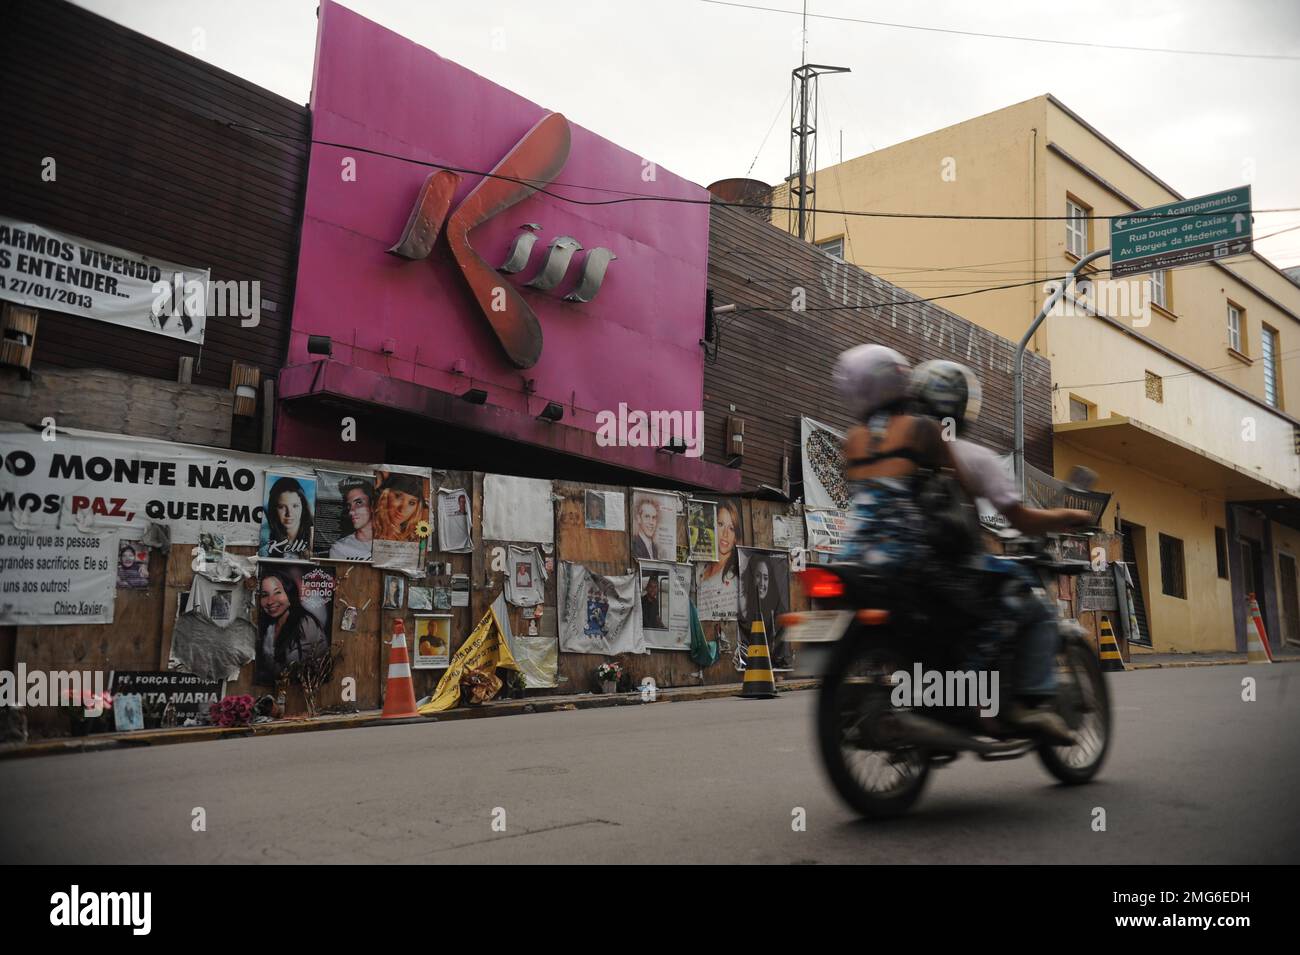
pixel 1018 452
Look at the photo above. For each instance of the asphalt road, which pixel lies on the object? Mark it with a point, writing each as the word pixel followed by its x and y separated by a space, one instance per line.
pixel 1195 776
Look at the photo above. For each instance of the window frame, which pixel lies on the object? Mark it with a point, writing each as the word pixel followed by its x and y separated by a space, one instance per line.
pixel 1078 224
pixel 821 246
pixel 1173 547
pixel 1236 317
pixel 1163 285
pixel 1269 344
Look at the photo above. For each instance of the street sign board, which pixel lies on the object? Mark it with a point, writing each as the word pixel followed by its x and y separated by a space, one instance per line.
pixel 1181 233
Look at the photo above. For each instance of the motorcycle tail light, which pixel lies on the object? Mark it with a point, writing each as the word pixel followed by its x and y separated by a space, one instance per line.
pixel 821 584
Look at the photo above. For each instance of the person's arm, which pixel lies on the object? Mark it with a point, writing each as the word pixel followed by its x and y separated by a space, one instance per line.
pixel 981 475
pixel 1036 520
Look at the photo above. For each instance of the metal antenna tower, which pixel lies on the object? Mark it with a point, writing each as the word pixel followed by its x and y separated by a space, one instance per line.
pixel 803 142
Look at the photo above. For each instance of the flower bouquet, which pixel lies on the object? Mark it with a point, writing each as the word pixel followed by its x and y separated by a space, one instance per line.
pixel 231 711
pixel 609 674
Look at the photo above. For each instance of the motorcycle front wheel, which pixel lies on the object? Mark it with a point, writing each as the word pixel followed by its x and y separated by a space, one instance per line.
pixel 875 777
pixel 1083 700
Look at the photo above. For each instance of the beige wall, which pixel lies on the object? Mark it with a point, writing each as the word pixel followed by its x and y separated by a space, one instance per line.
pixel 992 166
pixel 1001 164
pixel 1195 410
pixel 1195 325
pixel 1203 621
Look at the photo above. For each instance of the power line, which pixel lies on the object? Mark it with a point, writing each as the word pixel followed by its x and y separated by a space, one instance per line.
pixel 939 298
pixel 540 186
pixel 1020 39
pixel 779 110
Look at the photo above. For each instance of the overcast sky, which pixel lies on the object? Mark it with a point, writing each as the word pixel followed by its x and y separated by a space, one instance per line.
pixel 696 86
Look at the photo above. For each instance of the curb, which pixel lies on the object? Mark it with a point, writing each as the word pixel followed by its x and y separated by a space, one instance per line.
pixel 553 704
pixel 1158 665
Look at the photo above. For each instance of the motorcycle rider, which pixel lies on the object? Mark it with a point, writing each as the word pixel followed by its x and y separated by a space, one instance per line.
pixel 950 393
pixel 890 457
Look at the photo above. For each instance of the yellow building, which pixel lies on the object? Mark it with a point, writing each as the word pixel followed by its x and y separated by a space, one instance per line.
pixel 1174 386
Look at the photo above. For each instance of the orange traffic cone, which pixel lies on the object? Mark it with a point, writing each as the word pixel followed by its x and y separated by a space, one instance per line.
pixel 758 683
pixel 399 697
pixel 1257 648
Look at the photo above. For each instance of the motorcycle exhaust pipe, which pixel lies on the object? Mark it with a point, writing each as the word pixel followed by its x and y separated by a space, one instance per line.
pixel 924 731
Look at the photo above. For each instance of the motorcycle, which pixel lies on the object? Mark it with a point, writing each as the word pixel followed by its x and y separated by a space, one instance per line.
pixel 877 746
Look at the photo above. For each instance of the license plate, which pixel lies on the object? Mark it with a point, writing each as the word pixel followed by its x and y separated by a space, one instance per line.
pixel 815 626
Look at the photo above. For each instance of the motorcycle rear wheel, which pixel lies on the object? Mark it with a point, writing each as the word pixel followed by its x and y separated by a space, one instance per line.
pixel 1084 703
pixel 876 781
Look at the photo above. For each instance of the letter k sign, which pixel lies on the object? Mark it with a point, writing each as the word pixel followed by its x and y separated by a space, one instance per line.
pixel 530 165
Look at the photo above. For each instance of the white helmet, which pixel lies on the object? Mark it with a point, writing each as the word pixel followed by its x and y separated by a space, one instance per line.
pixel 871 377
pixel 947 389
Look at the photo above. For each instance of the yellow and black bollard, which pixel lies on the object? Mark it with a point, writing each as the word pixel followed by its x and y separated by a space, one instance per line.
pixel 758 683
pixel 1108 648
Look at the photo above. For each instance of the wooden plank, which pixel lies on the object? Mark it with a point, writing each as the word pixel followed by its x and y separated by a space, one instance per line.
pixel 755 265
pixel 102 400
pixel 153 158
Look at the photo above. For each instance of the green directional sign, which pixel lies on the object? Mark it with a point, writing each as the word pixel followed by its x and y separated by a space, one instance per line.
pixel 1181 233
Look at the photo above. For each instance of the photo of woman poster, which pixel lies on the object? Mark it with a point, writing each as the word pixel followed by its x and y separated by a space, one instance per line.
pixel 394 591
pixel 401 520
pixel 764 596
pixel 132 565
pixel 287 525
pixel 344 515
pixel 295 614
pixel 717 587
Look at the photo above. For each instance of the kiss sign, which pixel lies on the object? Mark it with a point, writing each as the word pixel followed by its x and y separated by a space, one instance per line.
pixel 530 165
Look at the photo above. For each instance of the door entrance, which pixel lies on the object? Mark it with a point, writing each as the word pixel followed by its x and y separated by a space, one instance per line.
pixel 1129 531
pixel 1290 600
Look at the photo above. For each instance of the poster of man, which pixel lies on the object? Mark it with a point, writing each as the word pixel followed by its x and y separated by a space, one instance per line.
pixel 702 530
pixel 432 642
pixel 654 526
pixel 295 614
pixel 453 521
pixel 654 600
pixel 764 596
pixel 401 520
pixel 717 588
pixel 287 524
pixel 345 509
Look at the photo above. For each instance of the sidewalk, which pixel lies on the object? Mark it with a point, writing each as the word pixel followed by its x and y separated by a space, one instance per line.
pixel 541 704
pixel 1146 661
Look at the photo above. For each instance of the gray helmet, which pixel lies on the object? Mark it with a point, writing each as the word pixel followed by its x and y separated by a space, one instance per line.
pixel 946 389
pixel 870 377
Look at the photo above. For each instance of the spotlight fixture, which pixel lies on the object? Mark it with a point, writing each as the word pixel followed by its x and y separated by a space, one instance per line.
pixel 320 345
pixel 475 396
pixel 553 411
pixel 675 446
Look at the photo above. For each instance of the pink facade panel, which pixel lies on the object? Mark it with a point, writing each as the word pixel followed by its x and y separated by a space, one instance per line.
pixel 377 96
